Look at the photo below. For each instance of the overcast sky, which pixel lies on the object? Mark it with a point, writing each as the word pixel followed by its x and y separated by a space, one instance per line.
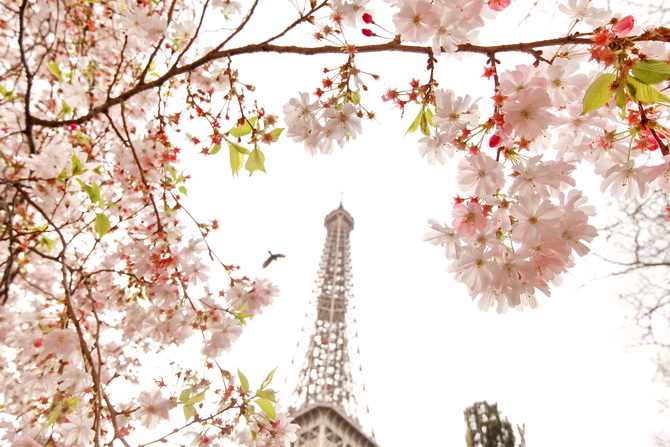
pixel 427 352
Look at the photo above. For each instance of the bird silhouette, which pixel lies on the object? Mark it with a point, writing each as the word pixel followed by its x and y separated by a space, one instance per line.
pixel 273 257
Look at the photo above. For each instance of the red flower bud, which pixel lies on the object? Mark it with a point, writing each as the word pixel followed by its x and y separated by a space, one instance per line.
pixel 367 33
pixel 367 18
pixel 494 141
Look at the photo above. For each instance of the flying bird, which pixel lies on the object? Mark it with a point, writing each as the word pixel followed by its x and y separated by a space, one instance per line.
pixel 272 257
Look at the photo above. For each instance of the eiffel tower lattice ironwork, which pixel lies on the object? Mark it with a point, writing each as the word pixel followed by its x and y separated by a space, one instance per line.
pixel 328 410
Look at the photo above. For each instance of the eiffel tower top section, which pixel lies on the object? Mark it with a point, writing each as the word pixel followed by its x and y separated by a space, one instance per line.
pixel 326 377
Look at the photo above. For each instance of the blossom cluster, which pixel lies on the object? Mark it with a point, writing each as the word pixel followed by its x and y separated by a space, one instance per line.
pixel 103 267
pixel 104 272
pixel 524 220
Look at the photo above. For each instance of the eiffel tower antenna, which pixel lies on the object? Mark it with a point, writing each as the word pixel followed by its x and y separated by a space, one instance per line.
pixel 328 388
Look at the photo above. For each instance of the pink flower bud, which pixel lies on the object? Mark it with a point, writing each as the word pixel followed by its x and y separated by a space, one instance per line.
pixel 367 18
pixel 624 26
pixel 494 141
pixel 498 5
pixel 367 33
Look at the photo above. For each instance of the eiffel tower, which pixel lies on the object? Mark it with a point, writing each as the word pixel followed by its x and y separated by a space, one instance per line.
pixel 328 412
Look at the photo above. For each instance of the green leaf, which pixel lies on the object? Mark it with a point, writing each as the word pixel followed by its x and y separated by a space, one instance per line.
pixel 429 116
pixel 184 395
pixel 182 189
pixel 244 129
pixel 55 69
pixel 355 97
pixel 416 122
pixel 267 407
pixel 6 94
pixel 620 97
pixel 101 224
pixel 267 394
pixel 268 379
pixel 189 412
pixel 236 157
pixel 48 242
pixel 276 132
pixel 77 167
pixel 599 92
pixel 197 398
pixel 425 128
pixel 651 71
pixel 244 383
pixel 642 92
pixel 215 149
pixel 66 108
pixel 92 190
pixel 255 162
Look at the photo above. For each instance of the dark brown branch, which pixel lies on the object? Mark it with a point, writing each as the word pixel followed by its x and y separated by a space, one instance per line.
pixel 393 46
pixel 29 77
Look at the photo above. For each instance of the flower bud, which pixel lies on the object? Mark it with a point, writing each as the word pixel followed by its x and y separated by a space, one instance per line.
pixel 367 32
pixel 367 18
pixel 494 141
pixel 624 26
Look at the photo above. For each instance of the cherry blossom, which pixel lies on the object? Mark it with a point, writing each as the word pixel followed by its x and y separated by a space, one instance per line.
pixel 417 21
pixel 480 175
pixel 454 114
pixel 77 431
pixel 625 179
pixel 153 409
pixel 105 268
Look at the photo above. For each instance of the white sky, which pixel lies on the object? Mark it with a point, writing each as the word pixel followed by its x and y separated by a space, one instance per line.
pixel 427 352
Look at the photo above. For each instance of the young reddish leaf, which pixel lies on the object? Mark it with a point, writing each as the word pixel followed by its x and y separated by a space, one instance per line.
pixel 598 93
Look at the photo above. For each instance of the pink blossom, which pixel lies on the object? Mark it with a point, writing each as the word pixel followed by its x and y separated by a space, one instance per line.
pixel 454 114
pixel 342 123
pixel 624 26
pixel 480 175
pixel 64 343
pixel 534 177
pixel 436 148
pixel 444 235
pixel 472 268
pixel 417 20
pixel 77 431
pixel 468 218
pixel 625 180
pixel 25 441
pixel 153 408
pixel 498 5
pixel 527 113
